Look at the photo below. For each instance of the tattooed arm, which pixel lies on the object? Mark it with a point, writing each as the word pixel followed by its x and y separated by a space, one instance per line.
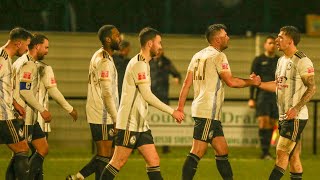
pixel 311 90
pixel 306 97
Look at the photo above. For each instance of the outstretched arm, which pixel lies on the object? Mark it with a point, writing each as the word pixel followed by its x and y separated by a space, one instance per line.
pixel 59 98
pixel 151 99
pixel 185 91
pixel 235 82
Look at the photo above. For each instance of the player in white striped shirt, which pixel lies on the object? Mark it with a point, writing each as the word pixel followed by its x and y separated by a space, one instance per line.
pixel 11 128
pixel 102 101
pixel 208 71
pixel 33 80
pixel 294 86
pixel 132 124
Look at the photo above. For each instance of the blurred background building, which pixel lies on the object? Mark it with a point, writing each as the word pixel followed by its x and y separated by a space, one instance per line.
pixel 168 16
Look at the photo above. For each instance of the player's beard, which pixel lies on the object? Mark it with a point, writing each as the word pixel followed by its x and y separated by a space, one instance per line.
pixel 40 57
pixel 154 52
pixel 115 45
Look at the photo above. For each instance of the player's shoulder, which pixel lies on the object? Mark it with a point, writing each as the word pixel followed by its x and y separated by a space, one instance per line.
pixel 3 54
pixel 300 55
pixel 101 55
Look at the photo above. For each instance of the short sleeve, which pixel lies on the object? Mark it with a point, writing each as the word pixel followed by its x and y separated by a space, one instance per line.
pixel 27 72
pixel 48 78
pixel 140 72
pixel 305 67
pixel 222 63
pixel 192 64
pixel 104 72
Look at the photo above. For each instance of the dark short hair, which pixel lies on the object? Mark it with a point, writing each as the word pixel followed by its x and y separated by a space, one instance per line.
pixel 19 33
pixel 147 34
pixel 292 32
pixel 105 31
pixel 213 29
pixel 37 39
pixel 269 37
pixel 124 44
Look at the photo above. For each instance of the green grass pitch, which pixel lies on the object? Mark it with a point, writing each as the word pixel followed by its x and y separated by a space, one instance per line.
pixel 244 161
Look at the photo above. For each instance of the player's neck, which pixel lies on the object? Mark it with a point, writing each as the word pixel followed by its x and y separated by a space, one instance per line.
pixel 33 54
pixel 109 50
pixel 269 54
pixel 290 52
pixel 145 54
pixel 10 49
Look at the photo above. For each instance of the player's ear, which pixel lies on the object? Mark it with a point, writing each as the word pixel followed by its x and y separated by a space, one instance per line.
pixel 108 39
pixel 150 43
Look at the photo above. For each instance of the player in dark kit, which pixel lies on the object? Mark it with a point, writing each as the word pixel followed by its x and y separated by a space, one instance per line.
pixel 265 102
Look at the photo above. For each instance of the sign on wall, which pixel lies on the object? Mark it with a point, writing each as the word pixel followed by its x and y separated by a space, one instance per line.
pixel 239 125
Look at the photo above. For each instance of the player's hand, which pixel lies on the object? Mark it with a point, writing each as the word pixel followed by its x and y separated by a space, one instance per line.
pixel 178 116
pixel 256 79
pixel 46 115
pixel 251 103
pixel 74 114
pixel 115 130
pixel 291 113
pixel 20 110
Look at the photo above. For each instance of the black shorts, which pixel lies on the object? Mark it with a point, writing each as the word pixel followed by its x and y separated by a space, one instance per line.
pixel 206 129
pixel 267 108
pixel 133 140
pixel 11 131
pixel 292 129
pixel 33 132
pixel 101 132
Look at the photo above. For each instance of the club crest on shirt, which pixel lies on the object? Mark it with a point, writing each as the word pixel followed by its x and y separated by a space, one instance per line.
pixel 141 75
pixel 27 75
pixel 310 70
pixel 225 66
pixel 104 74
pixel 289 66
pixel 133 140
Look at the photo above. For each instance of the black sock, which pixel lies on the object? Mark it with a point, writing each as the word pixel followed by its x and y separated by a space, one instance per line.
pixel 109 172
pixel 276 173
pixel 224 167
pixel 101 162
pixel 295 176
pixel 36 163
pixel 21 165
pixel 10 170
pixel 154 173
pixel 89 168
pixel 262 140
pixel 268 136
pixel 190 166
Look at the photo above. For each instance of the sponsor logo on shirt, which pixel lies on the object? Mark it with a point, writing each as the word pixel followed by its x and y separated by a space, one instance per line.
pixel 281 82
pixel 310 70
pixel 53 81
pixel 141 75
pixel 105 74
pixel 225 66
pixel 27 75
